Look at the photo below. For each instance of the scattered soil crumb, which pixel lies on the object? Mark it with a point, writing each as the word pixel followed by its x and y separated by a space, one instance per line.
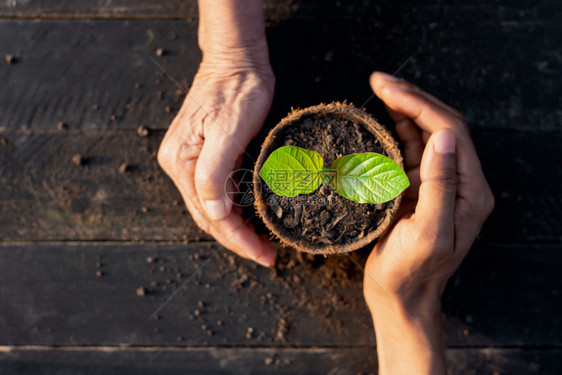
pixel 95 107
pixel 124 168
pixel 169 109
pixel 179 339
pixel 143 131
pixel 4 141
pixel 268 361
pixel 138 85
pixel 249 333
pixel 61 126
pixel 10 59
pixel 179 94
pixel 141 292
pixel 282 330
pixel 150 260
pixel 78 160
pixel 99 273
pixel 144 209
pixel 160 52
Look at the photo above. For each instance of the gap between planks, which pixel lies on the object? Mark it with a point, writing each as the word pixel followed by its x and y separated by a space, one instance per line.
pixel 178 348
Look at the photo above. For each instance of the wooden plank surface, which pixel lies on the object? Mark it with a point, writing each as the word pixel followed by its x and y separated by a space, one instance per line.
pixel 274 9
pixel 84 72
pixel 45 196
pixel 52 295
pixel 215 361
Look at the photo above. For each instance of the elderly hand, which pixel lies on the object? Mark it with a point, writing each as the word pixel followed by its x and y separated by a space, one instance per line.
pixel 224 110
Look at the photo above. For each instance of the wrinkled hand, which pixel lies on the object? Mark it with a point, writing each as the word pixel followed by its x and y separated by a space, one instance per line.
pixel 224 110
pixel 443 210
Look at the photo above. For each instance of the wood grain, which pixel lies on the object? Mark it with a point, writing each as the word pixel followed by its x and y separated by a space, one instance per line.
pixel 45 196
pixel 215 361
pixel 91 282
pixel 274 9
pixel 51 295
pixel 84 72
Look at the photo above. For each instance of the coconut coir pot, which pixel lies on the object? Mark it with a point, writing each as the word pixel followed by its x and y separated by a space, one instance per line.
pixel 324 222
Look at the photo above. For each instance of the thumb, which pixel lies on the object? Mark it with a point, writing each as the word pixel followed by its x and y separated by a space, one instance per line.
pixel 214 166
pixel 438 189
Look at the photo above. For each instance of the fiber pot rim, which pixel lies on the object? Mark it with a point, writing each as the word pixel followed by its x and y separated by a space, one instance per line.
pixel 357 115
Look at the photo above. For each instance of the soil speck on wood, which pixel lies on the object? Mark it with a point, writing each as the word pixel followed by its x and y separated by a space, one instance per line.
pixel 143 131
pixel 78 160
pixel 10 59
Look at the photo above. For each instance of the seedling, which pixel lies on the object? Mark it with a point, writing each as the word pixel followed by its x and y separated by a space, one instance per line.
pixel 364 178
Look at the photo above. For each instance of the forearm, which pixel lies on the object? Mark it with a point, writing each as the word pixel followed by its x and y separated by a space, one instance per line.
pixel 233 32
pixel 409 344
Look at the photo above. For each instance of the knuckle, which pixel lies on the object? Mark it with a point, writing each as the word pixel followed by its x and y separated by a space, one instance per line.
pixel 490 203
pixel 204 225
pixel 405 85
pixel 164 156
pixel 447 181
pixel 204 178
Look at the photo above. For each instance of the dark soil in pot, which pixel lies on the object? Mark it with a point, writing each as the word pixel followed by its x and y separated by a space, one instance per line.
pixel 324 222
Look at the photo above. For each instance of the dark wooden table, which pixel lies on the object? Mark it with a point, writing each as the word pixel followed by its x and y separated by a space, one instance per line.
pixel 89 251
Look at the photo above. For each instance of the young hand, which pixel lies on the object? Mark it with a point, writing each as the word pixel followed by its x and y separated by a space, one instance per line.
pixel 441 215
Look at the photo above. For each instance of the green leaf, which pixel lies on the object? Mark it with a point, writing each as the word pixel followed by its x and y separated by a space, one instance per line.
pixel 368 178
pixel 291 170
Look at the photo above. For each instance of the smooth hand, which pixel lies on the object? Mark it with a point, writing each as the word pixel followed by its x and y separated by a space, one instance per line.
pixel 442 213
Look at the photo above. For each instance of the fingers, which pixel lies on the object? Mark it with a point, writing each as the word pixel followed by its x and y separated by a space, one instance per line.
pixel 239 236
pixel 216 162
pixel 233 232
pixel 410 101
pixel 230 231
pixel 431 115
pixel 410 136
pixel 438 190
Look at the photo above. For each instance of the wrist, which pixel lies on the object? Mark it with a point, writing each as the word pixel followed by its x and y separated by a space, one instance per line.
pixel 409 344
pixel 233 32
pixel 243 57
pixel 415 302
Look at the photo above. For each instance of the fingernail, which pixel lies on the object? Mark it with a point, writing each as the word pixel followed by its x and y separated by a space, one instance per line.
pixel 266 260
pixel 387 77
pixel 444 142
pixel 216 209
pixel 267 257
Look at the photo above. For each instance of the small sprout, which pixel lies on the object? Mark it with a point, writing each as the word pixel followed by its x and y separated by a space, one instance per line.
pixel 363 177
